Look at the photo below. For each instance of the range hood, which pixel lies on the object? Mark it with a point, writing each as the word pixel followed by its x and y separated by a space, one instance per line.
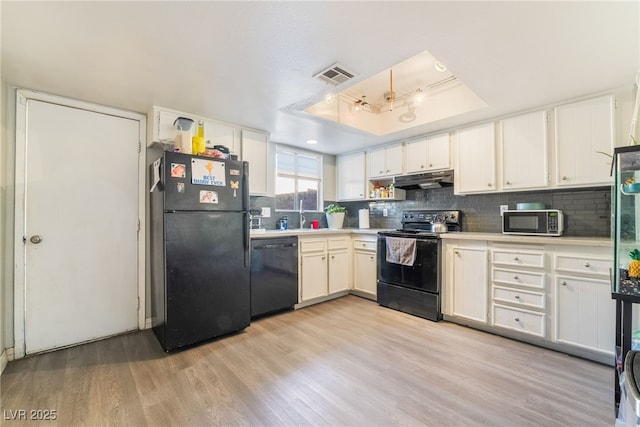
pixel 424 180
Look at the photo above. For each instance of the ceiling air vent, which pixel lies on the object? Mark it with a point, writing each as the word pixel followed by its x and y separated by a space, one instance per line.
pixel 334 75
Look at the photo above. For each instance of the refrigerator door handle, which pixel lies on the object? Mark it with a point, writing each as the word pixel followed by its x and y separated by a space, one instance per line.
pixel 245 208
pixel 247 240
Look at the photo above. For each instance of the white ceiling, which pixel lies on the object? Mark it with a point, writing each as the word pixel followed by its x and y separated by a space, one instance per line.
pixel 252 63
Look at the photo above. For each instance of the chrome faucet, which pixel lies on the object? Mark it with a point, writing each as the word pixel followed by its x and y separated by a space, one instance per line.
pixel 301 216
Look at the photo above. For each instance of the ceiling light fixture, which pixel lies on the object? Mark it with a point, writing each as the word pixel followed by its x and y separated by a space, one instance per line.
pixel 439 67
pixel 391 95
pixel 361 104
pixel 312 141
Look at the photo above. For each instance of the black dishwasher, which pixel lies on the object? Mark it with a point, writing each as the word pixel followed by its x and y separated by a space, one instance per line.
pixel 274 275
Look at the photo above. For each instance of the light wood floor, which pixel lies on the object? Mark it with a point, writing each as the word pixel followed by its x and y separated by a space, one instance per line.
pixel 347 362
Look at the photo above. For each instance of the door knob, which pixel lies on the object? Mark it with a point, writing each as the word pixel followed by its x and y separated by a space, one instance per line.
pixel 36 239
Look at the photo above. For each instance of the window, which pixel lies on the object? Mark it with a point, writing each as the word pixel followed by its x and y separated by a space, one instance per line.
pixel 298 178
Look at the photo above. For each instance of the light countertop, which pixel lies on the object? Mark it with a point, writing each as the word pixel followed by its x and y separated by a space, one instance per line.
pixel 267 234
pixel 542 240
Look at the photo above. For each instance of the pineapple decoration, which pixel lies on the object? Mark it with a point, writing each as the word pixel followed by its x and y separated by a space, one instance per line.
pixel 634 264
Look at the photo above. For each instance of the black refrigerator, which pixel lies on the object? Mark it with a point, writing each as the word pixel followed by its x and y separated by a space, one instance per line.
pixel 199 247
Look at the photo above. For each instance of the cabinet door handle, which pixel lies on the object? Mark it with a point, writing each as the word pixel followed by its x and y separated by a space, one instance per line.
pixel 489 185
pixel 515 277
pixel 587 265
pixel 517 319
pixel 507 183
pixel 563 283
pixel 564 178
pixel 517 297
pixel 430 165
pixel 515 258
pixel 456 252
pixel 371 258
pixel 324 257
pixel 333 256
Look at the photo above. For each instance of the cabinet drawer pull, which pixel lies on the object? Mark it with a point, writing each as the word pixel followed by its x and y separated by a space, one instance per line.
pixel 564 178
pixel 563 283
pixel 507 183
pixel 430 165
pixel 517 297
pixel 324 257
pixel 516 277
pixel 515 258
pixel 456 252
pixel 587 265
pixel 371 257
pixel 489 185
pixel 517 319
pixel 333 256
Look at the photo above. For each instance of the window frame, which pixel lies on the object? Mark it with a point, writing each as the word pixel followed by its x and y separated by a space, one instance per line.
pixel 296 176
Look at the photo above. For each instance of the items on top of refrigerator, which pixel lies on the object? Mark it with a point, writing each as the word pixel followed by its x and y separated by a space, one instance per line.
pixel 183 136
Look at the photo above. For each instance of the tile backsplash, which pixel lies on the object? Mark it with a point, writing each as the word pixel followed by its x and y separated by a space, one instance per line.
pixel 587 212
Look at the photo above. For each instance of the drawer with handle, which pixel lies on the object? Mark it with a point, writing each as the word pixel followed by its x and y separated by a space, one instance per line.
pixel 366 245
pixel 312 245
pixel 518 258
pixel 519 320
pixel 583 265
pixel 526 299
pixel 518 277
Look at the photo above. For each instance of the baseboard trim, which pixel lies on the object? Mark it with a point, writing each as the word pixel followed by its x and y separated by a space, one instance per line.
pixel 5 357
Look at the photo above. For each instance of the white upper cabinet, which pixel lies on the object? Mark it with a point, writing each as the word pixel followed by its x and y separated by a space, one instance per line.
pixel 351 176
pixel 523 152
pixel 427 154
pixel 583 129
pixel 163 125
pixel 216 133
pixel 255 150
pixel 475 164
pixel 385 161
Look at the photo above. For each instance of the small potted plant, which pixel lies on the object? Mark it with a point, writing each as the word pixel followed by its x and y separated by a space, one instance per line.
pixel 335 215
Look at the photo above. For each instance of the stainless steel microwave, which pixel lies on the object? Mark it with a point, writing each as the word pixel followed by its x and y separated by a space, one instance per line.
pixel 545 222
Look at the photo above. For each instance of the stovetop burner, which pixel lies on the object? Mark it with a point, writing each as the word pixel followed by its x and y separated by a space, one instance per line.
pixel 420 221
pixel 417 223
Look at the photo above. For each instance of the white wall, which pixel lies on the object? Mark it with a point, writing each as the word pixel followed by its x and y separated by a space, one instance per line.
pixel 7 203
pixel 3 206
pixel 329 174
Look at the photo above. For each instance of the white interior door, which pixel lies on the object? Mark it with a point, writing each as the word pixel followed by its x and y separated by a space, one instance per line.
pixel 80 225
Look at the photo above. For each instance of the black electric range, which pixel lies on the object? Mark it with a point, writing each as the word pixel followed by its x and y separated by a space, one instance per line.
pixel 409 263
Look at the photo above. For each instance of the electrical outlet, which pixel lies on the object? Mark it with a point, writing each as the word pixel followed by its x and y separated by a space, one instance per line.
pixel 503 208
pixel 266 212
pixel 385 212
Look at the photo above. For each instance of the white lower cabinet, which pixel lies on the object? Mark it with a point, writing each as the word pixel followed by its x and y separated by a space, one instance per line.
pixel 338 269
pixel 324 266
pixel 551 294
pixel 364 265
pixel 313 269
pixel 584 311
pixel 518 289
pixel 469 282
